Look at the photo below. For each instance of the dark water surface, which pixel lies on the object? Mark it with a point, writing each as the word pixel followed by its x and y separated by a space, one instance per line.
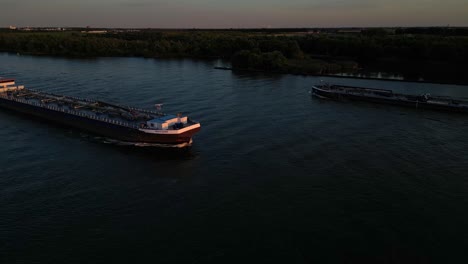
pixel 274 175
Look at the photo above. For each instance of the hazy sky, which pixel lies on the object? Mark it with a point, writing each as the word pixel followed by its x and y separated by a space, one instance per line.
pixel 232 13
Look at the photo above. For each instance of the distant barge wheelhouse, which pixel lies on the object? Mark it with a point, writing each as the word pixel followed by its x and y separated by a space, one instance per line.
pixel 125 124
pixel 425 101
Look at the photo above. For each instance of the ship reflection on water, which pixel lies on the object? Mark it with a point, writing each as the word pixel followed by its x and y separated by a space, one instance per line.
pixel 155 152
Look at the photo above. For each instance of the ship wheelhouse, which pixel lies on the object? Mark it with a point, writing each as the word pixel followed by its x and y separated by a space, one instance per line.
pixel 7 85
pixel 167 122
pixel 6 82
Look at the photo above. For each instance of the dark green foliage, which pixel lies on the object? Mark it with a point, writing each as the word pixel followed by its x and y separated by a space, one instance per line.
pixel 268 61
pixel 375 32
pixel 265 50
pixel 434 31
pixel 373 47
pixel 370 45
pixel 286 46
pixel 70 45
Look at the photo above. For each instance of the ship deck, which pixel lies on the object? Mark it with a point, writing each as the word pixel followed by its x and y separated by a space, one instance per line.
pixel 93 109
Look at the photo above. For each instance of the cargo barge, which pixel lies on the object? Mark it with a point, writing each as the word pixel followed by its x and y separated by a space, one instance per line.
pixel 424 101
pixel 125 124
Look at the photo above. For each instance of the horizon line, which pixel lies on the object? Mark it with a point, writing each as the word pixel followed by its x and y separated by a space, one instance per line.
pixel 233 28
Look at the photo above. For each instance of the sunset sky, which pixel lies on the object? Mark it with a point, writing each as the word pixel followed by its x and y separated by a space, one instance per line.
pixel 233 13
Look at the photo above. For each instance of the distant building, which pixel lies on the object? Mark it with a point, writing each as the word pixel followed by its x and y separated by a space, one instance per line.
pixel 12 27
pixel 53 29
pixel 95 32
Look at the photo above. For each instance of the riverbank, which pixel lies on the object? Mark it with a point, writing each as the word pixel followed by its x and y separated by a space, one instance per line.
pixel 365 74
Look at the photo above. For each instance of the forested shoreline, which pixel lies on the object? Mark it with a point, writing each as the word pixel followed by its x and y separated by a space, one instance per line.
pixel 304 53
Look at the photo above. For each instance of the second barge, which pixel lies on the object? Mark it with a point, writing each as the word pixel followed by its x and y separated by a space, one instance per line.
pixel 424 101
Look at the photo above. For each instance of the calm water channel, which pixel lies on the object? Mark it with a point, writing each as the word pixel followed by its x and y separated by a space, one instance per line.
pixel 274 175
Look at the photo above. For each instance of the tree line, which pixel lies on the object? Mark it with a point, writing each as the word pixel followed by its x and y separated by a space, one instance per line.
pixel 244 49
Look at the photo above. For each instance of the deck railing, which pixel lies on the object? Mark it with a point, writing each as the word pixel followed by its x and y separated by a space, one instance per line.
pixel 71 112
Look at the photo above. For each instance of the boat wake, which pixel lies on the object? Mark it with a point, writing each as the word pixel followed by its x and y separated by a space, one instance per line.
pixel 143 144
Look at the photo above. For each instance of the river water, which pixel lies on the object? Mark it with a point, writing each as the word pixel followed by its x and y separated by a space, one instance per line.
pixel 274 175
